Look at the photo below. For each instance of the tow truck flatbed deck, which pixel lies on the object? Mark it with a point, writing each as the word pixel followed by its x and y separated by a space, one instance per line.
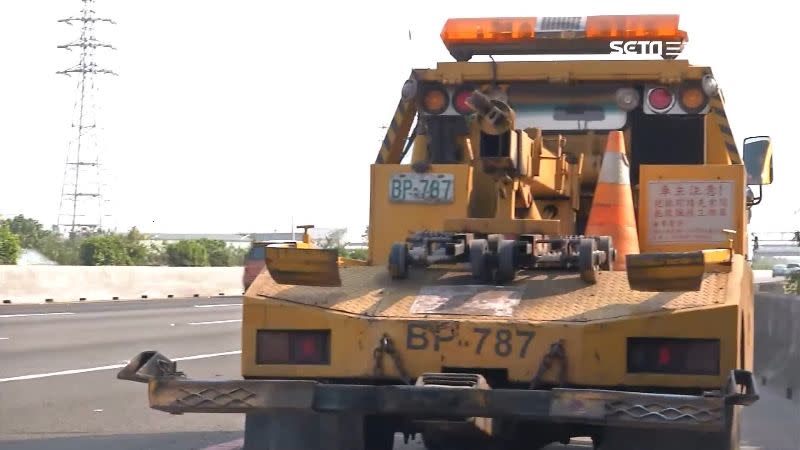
pixel 535 296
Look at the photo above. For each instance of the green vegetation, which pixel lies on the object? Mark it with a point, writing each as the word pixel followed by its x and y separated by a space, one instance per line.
pixel 105 248
pixel 335 239
pixel 9 245
pixel 792 285
pixel 766 263
pixel 187 254
pixel 356 253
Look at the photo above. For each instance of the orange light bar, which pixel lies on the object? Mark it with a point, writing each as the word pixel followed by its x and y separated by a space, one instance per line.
pixel 634 27
pixel 463 31
pixel 511 30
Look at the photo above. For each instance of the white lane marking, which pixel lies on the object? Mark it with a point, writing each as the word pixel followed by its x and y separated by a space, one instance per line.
pixel 7 316
pixel 215 322
pixel 111 367
pixel 218 306
pixel 232 445
pixel 209 355
pixel 4 339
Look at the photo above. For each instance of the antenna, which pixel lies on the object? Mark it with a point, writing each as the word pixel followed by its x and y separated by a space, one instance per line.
pixel 81 205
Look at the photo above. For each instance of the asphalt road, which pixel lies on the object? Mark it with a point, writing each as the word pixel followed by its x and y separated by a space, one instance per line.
pixel 58 386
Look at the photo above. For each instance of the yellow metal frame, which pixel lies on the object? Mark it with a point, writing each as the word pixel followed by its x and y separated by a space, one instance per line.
pixel 392 222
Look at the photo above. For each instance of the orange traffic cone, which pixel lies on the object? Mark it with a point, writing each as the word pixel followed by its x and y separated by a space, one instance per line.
pixel 612 207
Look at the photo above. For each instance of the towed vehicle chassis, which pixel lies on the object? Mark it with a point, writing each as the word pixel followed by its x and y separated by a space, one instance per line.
pixel 442 397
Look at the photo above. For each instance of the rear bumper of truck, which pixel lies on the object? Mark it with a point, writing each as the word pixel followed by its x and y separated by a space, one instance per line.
pixel 171 391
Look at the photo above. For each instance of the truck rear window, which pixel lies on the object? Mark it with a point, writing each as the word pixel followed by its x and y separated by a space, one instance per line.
pixel 566 108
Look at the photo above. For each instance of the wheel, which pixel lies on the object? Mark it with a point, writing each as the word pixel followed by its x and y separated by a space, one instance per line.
pixel 586 265
pixel 441 441
pixel 378 433
pixel 398 261
pixel 494 242
pixel 479 260
pixel 606 245
pixel 506 267
pixel 307 430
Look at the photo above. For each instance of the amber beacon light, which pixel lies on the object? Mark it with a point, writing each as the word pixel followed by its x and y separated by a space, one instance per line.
pixel 467 37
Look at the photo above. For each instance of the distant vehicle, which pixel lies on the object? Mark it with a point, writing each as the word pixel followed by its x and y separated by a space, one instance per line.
pixel 779 270
pixel 792 268
pixel 254 263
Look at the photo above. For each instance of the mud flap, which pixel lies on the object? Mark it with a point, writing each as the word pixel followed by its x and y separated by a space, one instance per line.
pixel 306 430
pixel 303 266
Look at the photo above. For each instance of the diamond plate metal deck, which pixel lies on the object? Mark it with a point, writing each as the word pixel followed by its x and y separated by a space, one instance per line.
pixel 546 296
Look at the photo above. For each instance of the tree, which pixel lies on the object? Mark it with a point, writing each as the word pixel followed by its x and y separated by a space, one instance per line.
pixel 9 245
pixel 219 255
pixel 103 251
pixel 187 254
pixel 113 250
pixel 333 239
pixel 30 231
pixel 138 254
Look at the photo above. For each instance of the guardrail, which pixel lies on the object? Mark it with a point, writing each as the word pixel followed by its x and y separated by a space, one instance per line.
pixel 777 342
pixel 36 284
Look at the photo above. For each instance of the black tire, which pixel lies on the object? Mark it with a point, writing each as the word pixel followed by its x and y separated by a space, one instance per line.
pixel 479 260
pixel 506 264
pixel 436 441
pixel 305 430
pixel 378 434
pixel 606 245
pixel 494 242
pixel 586 265
pixel 398 261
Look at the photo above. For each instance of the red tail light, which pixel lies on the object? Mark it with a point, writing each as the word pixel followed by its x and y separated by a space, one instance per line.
pixel 660 99
pixel 670 355
pixel 460 100
pixel 293 347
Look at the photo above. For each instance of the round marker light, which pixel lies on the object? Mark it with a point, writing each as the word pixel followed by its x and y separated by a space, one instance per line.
pixel 460 101
pixel 627 99
pixel 409 89
pixel 710 86
pixel 660 99
pixel 692 99
pixel 435 100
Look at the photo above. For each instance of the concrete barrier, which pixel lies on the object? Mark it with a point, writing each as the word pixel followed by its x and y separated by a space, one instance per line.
pixel 777 342
pixel 36 284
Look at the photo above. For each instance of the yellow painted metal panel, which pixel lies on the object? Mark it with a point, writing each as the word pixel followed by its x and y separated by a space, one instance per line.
pixel 545 296
pixel 667 71
pixel 596 352
pixel 392 222
pixel 683 179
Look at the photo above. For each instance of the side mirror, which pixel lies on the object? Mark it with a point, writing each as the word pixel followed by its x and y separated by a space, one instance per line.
pixel 757 154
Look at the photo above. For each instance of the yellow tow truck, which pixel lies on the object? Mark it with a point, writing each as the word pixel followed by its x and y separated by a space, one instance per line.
pixel 562 254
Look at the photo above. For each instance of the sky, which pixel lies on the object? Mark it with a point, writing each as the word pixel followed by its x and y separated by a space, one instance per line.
pixel 242 116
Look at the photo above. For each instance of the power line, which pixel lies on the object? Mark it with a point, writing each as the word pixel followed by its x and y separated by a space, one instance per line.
pixel 82 206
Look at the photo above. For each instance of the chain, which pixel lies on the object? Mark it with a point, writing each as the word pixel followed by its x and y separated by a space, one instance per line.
pixel 386 347
pixel 556 353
